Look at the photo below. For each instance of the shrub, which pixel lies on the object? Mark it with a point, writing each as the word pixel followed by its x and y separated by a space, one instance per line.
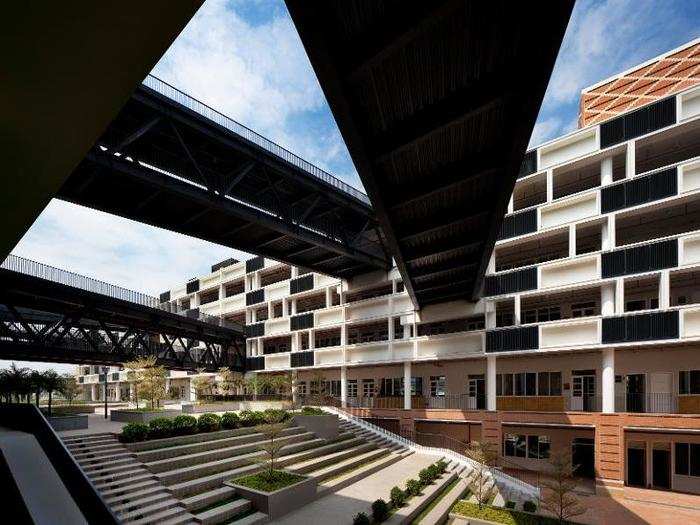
pixel 312 411
pixel 398 497
pixel 184 424
pixel 510 504
pixel 208 422
pixel 251 419
pixel 230 420
pixel 413 487
pixel 160 427
pixel 441 466
pixel 360 519
pixel 380 511
pixel 134 432
pixel 425 477
pixel 529 506
pixel 434 472
pixel 277 414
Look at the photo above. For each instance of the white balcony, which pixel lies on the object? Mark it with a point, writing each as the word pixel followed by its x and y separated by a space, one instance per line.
pixel 570 333
pixel 569 210
pixel 233 303
pixel 329 356
pixel 368 352
pixel 451 346
pixel 569 148
pixel 277 326
pixel 568 272
pixel 328 316
pixel 277 361
pixel 276 291
pixel 367 309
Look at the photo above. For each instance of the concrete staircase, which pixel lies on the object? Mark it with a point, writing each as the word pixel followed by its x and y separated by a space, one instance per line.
pixel 180 480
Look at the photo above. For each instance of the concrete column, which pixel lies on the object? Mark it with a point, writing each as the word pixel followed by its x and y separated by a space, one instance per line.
pixel 608 385
pixel 295 271
pixel 312 340
pixel 117 391
pixel 490 314
pixel 630 159
pixel 132 391
pixel 572 240
pixel 510 204
pixel 664 289
pixel 270 310
pixel 620 296
pixel 328 297
pixel 607 299
pixel 516 310
pixel 550 185
pixel 390 328
pixel 344 386
pixel 343 335
pixel 295 382
pixel 94 393
pixel 491 382
pixel 295 342
pixel 195 300
pixel 407 385
pixel 294 306
pixel 491 268
pixel 606 171
pixel 607 233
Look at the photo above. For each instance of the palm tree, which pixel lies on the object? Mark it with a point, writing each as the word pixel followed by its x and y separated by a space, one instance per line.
pixel 52 383
pixel 19 381
pixel 37 380
pixel 282 384
pixel 5 391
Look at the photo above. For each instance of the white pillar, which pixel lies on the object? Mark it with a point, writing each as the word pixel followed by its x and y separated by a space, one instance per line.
pixel 491 268
pixel 607 233
pixel 664 289
pixel 550 185
pixel 608 385
pixel 132 391
pixel 328 297
pixel 606 171
pixel 407 385
pixel 516 310
pixel 510 204
pixel 294 306
pixel 390 328
pixel 117 391
pixel 343 386
pixel 572 240
pixel 620 296
pixel 93 396
pixel 490 313
pixel 607 299
pixel 295 383
pixel 630 160
pixel 491 382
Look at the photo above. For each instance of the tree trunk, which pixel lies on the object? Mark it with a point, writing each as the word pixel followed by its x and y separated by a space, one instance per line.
pixel 49 403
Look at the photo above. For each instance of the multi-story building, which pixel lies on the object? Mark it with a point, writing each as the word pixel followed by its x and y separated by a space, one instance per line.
pixel 587 338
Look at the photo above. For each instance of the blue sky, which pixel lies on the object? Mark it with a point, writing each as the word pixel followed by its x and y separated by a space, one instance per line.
pixel 244 58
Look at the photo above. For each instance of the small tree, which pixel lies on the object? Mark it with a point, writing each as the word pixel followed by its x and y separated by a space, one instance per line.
pixel 134 369
pixel 484 454
pixel 230 381
pixel 203 384
pixel 282 383
pixel 153 383
pixel 37 380
pixel 52 383
pixel 271 430
pixel 559 486
pixel 70 388
pixel 318 389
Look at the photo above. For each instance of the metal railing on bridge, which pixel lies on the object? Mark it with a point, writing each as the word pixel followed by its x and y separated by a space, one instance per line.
pixel 19 264
pixel 167 90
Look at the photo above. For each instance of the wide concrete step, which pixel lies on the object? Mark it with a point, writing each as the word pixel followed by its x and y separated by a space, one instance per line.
pixel 200 501
pixel 206 456
pixel 105 477
pixel 96 457
pixel 163 515
pixel 86 437
pixel 93 470
pixel 126 490
pixel 149 510
pixel 211 467
pixel 318 462
pixel 347 478
pixel 347 464
pixel 91 445
pixel 203 446
pixel 174 441
pixel 222 513
pixel 109 484
pixel 252 519
pixel 123 508
pixel 116 498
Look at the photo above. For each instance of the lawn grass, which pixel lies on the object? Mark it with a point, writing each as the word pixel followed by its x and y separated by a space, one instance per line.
pixel 437 500
pixel 501 515
pixel 263 482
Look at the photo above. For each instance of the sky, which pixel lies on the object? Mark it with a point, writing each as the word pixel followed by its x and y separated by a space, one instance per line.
pixel 245 59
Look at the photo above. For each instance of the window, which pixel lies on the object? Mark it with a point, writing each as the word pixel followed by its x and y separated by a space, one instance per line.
pixel 368 387
pixel 541 315
pixel 695 459
pixel 332 388
pixel 682 459
pixel 583 309
pixel 352 388
pixel 522 446
pixel 416 386
pixel 504 319
pixel 437 386
pixel 391 386
pixel 633 306
pixel 538 447
pixel 549 383
pixel 301 388
pixel 689 382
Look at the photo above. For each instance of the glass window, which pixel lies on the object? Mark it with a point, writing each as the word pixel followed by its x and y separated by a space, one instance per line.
pixel 532 448
pixel 694 382
pixel 509 443
pixel 543 384
pixel 695 459
pixel 543 446
pixel 368 387
pixel 508 384
pixel 530 384
pixel 518 384
pixel 520 446
pixel 416 386
pixel 352 388
pixel 683 382
pixel 301 388
pixel 682 451
pixel 499 384
pixel 555 383
pixel 437 386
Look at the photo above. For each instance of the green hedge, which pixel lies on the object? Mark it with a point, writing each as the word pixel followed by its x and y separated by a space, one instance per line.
pixel 68 410
pixel 505 516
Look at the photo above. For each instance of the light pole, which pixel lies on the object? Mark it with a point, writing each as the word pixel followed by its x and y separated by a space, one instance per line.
pixel 105 369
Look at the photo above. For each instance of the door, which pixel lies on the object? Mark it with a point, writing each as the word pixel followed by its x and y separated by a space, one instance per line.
pixel 635 393
pixel 660 397
pixel 661 466
pixel 583 457
pixel 636 465
pixel 583 393
pixel 477 392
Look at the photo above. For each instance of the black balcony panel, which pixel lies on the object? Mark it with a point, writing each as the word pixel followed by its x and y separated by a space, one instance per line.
pixel 640 190
pixel 637 123
pixel 165 297
pixel 640 259
pixel 192 313
pixel 641 327
pixel 518 224
pixel 255 363
pixel 302 321
pixel 302 359
pixel 254 264
pixel 512 339
pixel 115 376
pixel 301 284
pixel 223 264
pixel 529 164
pixel 192 286
pixel 255 330
pixel 518 281
pixel 255 297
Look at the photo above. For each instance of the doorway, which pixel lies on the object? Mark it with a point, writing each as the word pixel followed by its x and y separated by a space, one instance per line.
pixel 583 393
pixel 583 457
pixel 636 464
pixel 661 465
pixel 635 398
pixel 476 388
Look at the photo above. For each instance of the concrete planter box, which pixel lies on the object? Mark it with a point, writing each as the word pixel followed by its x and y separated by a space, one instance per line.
pixel 278 503
pixel 130 416
pixel 77 422
pixel 325 427
pixel 234 406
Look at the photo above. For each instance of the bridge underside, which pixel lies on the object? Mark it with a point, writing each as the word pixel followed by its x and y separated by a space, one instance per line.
pixel 42 320
pixel 436 102
pixel 161 163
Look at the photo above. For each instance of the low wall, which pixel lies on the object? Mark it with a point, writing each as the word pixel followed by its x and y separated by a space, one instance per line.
pixel 131 416
pixel 234 406
pixel 77 422
pixel 281 502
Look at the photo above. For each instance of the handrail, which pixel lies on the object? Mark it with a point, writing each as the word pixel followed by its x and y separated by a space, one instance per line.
pixel 28 418
pixel 499 476
pixel 25 266
pixel 173 93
